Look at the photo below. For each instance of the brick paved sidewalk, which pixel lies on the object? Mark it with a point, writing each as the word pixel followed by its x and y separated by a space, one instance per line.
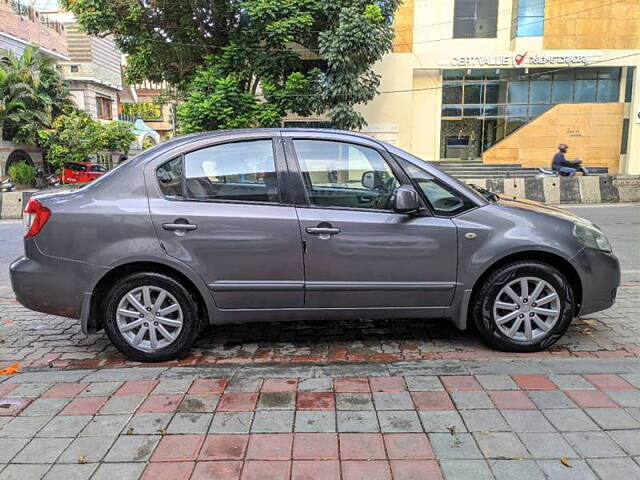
pixel 299 423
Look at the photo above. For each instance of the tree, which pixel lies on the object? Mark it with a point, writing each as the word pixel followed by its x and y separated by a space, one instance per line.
pixel 117 136
pixel 263 57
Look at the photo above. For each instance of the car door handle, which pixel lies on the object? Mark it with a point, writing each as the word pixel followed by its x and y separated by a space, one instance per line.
pixel 179 226
pixel 323 230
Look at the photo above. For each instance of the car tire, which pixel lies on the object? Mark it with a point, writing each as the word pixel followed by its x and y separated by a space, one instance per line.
pixel 176 297
pixel 489 316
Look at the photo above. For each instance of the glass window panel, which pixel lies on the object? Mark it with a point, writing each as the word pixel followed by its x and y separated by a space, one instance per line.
pixel 452 94
pixel 562 91
pixel 495 110
pixel 472 110
pixel 475 74
pixel 464 28
pixel 531 7
pixel 517 110
pixel 537 110
pixel 487 8
pixel 518 92
pixel 542 74
pixel 564 75
pixel 452 110
pixel 541 91
pixel 530 26
pixel 628 89
pixel 513 124
pixel 473 93
pixel 486 27
pixel 169 177
pixel 586 73
pixel 496 92
pixel 465 9
pixel 608 90
pixel 609 73
pixel 455 74
pixel 585 91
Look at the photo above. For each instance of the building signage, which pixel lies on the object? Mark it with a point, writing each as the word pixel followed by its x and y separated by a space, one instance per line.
pixel 518 60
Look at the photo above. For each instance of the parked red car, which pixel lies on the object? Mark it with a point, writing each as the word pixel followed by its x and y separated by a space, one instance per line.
pixel 81 172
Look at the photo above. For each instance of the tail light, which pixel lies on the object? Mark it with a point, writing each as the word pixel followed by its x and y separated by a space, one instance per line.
pixel 35 216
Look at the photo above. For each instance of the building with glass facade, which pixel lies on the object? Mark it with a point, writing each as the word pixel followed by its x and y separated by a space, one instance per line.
pixel 507 80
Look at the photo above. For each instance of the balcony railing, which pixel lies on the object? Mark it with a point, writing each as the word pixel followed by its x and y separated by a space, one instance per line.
pixel 35 16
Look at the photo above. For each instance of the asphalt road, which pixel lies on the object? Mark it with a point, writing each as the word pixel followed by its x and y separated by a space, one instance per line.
pixel 620 222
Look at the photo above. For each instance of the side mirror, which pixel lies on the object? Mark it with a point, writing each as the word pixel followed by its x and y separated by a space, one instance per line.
pixel 369 180
pixel 407 200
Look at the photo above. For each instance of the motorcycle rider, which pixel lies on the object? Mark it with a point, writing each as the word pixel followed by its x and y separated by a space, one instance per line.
pixel 564 167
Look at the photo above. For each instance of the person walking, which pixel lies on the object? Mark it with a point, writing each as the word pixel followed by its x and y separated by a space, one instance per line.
pixel 564 167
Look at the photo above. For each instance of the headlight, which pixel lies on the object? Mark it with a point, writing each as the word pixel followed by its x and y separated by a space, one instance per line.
pixel 591 237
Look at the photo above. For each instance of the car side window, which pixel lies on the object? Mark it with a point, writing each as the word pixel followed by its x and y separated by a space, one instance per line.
pixel 345 175
pixel 169 177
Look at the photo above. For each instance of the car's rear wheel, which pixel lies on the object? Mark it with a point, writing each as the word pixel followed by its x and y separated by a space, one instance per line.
pixel 151 317
pixel 524 306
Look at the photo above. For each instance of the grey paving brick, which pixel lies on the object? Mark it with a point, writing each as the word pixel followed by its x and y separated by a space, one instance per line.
pixel 629 440
pixel 471 400
pixel 172 386
pixel 273 421
pixel 119 471
pixel 123 374
pixel 93 449
pixel 632 378
pixel 121 405
pixel 24 426
pixel 105 425
pixel 132 448
pixel 497 382
pixel 24 472
pixel 392 401
pixel 465 470
pixel 29 390
pixel 240 384
pixel 570 420
pixel 516 469
pixel 190 423
pixel 50 376
pixel 484 420
pixel 571 382
pixel 502 445
pixel 357 421
pixel 197 403
pixel 10 446
pixel 615 468
pixel 527 421
pixel 42 450
pixel 547 445
pixel 625 398
pixel 71 472
pixel 551 399
pixel 399 421
pixel 423 383
pixel 440 421
pixel 458 445
pixel 320 384
pixel 231 422
pixel 277 401
pixel 634 412
pixel 555 470
pixel 593 444
pixel 612 418
pixel 65 426
pixel 315 421
pixel 45 406
pixel 100 389
pixel 4 421
pixel 147 423
pixel 354 401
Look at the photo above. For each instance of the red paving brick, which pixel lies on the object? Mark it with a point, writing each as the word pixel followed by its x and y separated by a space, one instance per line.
pixel 208 385
pixel 168 471
pixel 224 447
pixel 237 402
pixel 10 407
pixel 363 470
pixel 387 384
pixel 590 399
pixel 361 446
pixel 609 382
pixel 460 382
pixel 315 446
pixel 178 448
pixel 270 446
pixel 136 387
pixel 315 470
pixel 7 388
pixel 315 401
pixel 257 470
pixel 416 470
pixel 84 406
pixel 217 471
pixel 432 401
pixel 279 385
pixel 408 446
pixel 511 400
pixel 534 382
pixel 351 385
pixel 160 403
pixel 65 390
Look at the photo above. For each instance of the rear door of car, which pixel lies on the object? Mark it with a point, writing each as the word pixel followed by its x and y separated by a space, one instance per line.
pixel 221 208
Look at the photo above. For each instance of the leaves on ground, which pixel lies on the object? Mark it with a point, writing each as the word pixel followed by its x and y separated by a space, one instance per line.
pixel 11 369
pixel 565 462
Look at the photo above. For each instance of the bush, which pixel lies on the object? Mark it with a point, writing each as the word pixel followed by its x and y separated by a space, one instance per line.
pixel 22 173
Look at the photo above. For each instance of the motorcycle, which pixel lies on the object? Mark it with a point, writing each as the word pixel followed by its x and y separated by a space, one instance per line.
pixel 43 181
pixel 7 185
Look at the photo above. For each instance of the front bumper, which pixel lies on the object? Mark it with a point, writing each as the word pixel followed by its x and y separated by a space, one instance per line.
pixel 600 277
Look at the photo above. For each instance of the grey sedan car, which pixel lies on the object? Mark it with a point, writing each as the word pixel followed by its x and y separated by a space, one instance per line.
pixel 289 224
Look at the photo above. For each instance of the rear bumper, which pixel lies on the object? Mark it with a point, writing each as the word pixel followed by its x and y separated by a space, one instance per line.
pixel 600 277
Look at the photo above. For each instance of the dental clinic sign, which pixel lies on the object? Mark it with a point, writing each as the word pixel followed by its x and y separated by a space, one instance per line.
pixel 518 60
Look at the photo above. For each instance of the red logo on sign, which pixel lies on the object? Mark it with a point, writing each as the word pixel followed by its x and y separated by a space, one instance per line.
pixel 520 58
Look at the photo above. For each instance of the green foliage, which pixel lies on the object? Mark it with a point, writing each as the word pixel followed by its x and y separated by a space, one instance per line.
pixel 22 173
pixel 117 136
pixel 262 58
pixel 145 111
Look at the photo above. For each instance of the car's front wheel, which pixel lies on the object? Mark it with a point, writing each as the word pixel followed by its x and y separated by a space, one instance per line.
pixel 151 317
pixel 524 306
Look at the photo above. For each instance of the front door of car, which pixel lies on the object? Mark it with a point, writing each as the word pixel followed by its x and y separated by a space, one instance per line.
pixel 219 209
pixel 359 252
